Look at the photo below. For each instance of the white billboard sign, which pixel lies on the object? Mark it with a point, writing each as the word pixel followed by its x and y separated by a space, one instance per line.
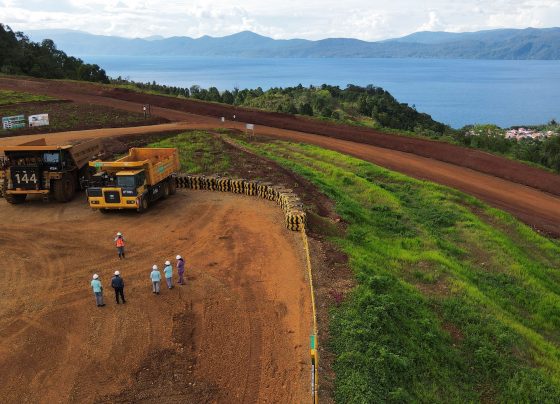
pixel 250 126
pixel 38 120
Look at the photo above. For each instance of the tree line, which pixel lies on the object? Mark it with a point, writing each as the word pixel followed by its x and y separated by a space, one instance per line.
pixel 370 106
pixel 541 151
pixel 19 55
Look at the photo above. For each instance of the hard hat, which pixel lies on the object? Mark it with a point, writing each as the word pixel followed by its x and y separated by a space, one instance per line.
pixel 167 263
pixel 178 257
pixel 154 267
pixel 119 234
pixel 117 273
pixel 95 276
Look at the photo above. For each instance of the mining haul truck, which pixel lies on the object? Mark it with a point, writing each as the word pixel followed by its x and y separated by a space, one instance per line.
pixel 134 181
pixel 35 168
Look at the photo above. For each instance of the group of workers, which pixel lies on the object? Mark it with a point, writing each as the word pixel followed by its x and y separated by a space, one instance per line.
pixel 117 282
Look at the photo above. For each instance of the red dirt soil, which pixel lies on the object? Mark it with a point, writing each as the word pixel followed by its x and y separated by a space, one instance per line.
pixel 505 184
pixel 536 208
pixel 195 111
pixel 236 333
pixel 461 156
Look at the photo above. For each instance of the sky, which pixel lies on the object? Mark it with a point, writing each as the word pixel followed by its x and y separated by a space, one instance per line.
pixel 310 19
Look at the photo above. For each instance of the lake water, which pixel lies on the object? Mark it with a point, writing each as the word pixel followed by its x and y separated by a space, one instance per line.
pixel 457 92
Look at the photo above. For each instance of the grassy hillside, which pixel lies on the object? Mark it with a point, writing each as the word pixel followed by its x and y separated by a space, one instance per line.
pixel 455 301
pixel 14 97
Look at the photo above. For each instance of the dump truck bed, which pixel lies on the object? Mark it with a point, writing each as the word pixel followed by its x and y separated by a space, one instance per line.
pixel 81 152
pixel 157 163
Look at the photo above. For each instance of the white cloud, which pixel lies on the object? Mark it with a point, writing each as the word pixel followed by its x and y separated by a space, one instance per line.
pixel 313 19
pixel 434 23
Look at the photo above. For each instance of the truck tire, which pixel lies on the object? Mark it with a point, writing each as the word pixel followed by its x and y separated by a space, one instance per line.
pixel 143 205
pixel 172 186
pixel 65 188
pixel 165 190
pixel 15 199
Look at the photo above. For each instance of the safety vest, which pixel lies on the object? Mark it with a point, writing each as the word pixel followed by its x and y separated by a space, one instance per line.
pixel 120 242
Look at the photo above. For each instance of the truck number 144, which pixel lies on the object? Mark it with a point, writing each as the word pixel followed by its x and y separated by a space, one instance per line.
pixel 25 178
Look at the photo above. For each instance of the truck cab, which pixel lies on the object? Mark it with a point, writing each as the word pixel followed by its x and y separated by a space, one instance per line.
pixel 122 190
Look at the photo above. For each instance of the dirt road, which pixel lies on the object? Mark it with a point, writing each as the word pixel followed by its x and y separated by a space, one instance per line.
pixel 536 208
pixel 194 111
pixel 236 333
pixel 515 188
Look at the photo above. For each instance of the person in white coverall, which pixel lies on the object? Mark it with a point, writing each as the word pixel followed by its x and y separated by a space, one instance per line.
pixel 168 272
pixel 155 276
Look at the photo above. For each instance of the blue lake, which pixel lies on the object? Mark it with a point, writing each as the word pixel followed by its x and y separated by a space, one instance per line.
pixel 457 92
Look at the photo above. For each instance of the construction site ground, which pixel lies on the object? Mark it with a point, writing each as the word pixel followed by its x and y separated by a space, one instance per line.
pixel 236 332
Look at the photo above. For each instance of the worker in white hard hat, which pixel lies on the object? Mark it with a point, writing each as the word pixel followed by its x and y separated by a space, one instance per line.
pixel 118 284
pixel 97 290
pixel 155 277
pixel 180 269
pixel 119 243
pixel 168 272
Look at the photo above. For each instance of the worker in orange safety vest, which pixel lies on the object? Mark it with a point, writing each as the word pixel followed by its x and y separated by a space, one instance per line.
pixel 119 243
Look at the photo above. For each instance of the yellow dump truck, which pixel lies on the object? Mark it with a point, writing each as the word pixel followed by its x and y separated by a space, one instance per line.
pixel 134 181
pixel 35 168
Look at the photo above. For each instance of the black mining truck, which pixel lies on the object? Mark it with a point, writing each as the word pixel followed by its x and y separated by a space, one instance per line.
pixel 35 168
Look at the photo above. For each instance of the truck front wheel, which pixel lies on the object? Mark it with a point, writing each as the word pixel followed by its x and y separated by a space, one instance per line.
pixel 15 199
pixel 143 205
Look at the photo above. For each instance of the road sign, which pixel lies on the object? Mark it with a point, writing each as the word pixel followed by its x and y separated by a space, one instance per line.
pixel 250 126
pixel 13 122
pixel 38 120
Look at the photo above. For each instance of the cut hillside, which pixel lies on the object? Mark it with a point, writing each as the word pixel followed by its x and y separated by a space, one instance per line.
pixel 455 301
pixel 65 115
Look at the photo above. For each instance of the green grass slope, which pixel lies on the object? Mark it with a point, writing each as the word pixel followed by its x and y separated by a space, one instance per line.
pixel 14 97
pixel 455 301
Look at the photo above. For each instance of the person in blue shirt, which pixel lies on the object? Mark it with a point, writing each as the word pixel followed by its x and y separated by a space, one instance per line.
pixel 118 284
pixel 155 276
pixel 168 272
pixel 97 290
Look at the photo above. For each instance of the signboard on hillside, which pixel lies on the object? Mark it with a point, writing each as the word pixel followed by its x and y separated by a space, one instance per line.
pixel 38 120
pixel 13 122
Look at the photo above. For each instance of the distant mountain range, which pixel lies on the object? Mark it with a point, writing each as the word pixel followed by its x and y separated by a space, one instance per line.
pixel 529 43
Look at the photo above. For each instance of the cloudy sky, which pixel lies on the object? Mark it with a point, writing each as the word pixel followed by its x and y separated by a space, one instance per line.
pixel 310 19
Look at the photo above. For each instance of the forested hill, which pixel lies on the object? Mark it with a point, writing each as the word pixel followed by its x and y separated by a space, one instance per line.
pixel 365 106
pixel 529 43
pixel 19 55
